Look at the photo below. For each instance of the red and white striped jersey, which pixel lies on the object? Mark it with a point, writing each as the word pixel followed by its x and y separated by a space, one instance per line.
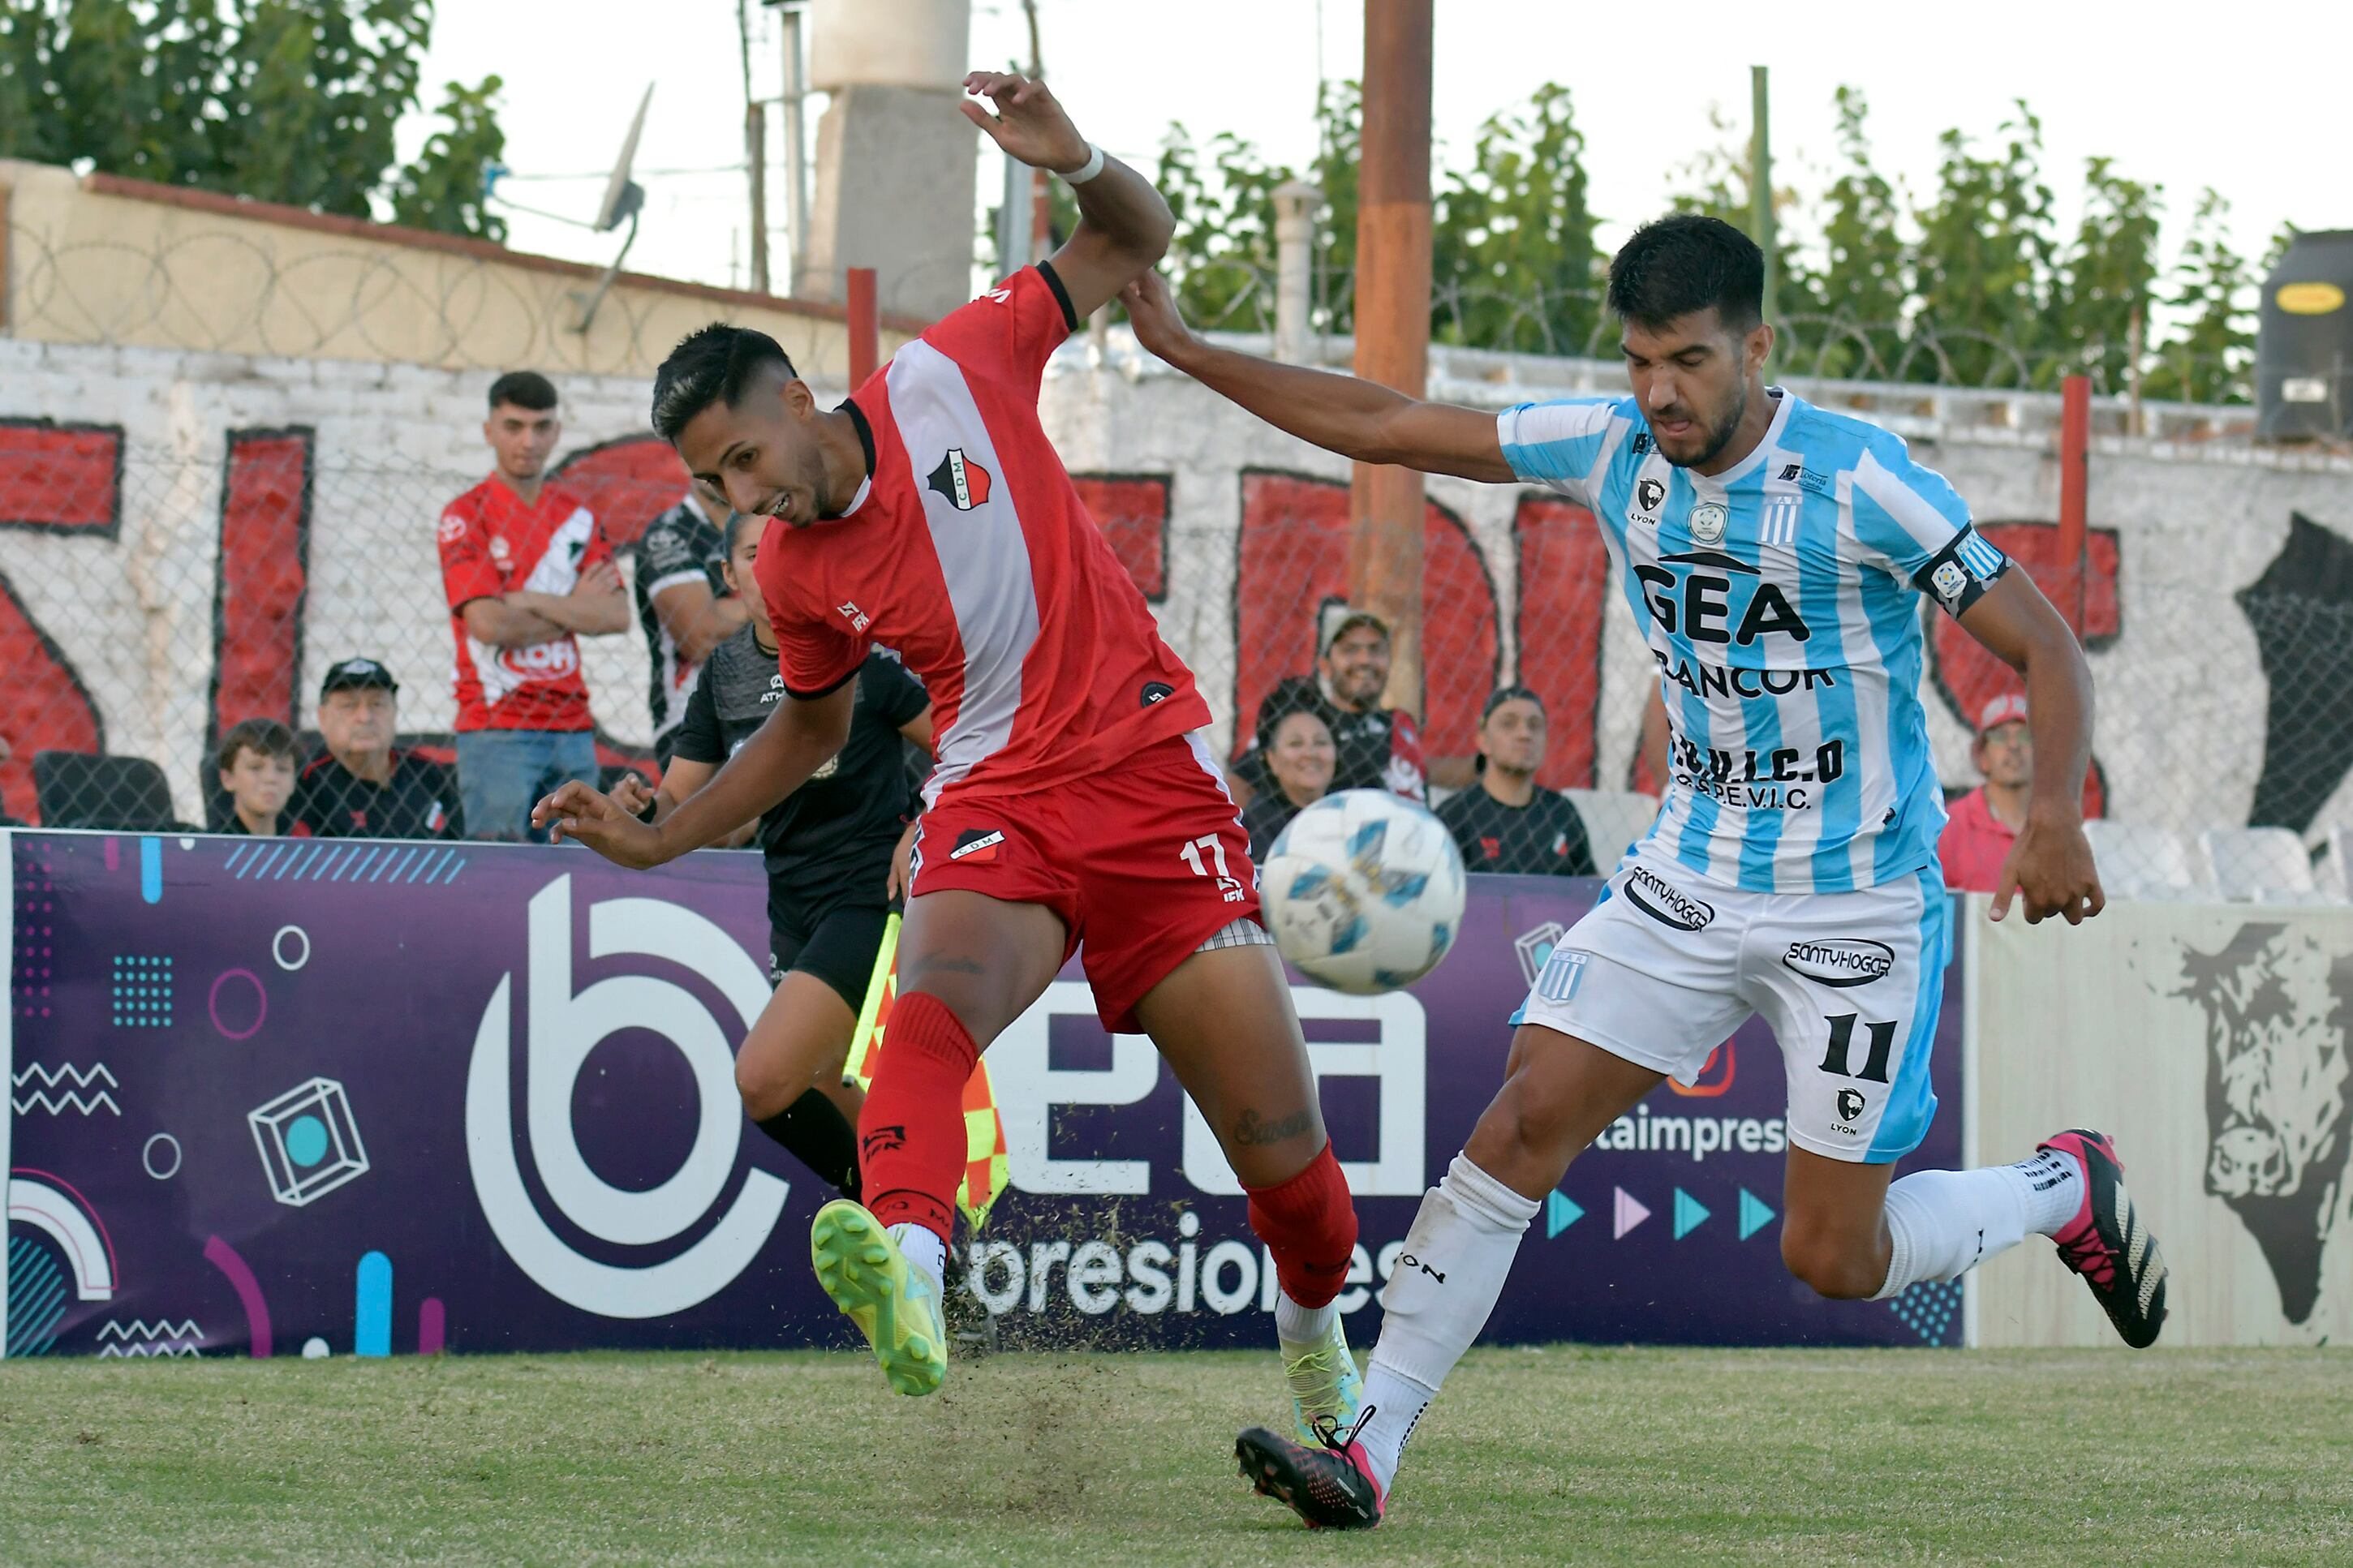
pixel 969 552
pixel 491 544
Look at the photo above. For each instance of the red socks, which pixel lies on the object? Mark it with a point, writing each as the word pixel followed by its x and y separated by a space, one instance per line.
pixel 1308 1222
pixel 910 1136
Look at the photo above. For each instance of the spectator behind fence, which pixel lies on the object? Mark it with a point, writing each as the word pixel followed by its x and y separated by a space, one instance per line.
pixel 1984 823
pixel 1507 822
pixel 683 605
pixel 1375 747
pixel 365 787
pixel 1299 758
pixel 258 759
pixel 526 568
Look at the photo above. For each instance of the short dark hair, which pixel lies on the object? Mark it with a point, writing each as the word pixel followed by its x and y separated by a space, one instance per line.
pixel 268 736
pixel 1687 262
pixel 524 389
pixel 712 365
pixel 735 530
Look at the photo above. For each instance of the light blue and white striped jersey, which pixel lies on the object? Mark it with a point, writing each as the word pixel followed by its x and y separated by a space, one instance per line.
pixel 1779 598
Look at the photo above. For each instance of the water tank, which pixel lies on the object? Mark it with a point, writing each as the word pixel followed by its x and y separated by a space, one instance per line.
pixel 2304 341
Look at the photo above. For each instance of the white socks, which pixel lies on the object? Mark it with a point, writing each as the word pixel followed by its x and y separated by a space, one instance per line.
pixel 1298 1325
pixel 1945 1222
pixel 924 1249
pixel 1438 1298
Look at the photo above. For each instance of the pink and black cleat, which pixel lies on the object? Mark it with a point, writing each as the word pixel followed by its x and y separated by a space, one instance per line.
pixel 2109 1243
pixel 1332 1488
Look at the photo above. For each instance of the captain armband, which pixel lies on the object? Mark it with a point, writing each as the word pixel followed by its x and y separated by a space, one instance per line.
pixel 1959 576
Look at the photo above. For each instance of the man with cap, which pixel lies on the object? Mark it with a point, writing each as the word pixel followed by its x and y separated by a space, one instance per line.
pixel 1507 822
pixel 366 787
pixel 1379 748
pixel 1984 823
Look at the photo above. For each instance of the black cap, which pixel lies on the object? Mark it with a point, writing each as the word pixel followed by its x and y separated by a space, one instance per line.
pixel 357 675
pixel 1496 699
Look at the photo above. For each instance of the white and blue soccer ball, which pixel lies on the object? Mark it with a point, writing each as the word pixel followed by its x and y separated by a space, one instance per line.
pixel 1364 891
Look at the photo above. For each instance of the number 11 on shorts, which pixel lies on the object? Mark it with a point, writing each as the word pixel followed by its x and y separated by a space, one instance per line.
pixel 1229 885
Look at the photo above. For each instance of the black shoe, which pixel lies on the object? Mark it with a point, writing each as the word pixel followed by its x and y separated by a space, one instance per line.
pixel 1332 1488
pixel 2109 1243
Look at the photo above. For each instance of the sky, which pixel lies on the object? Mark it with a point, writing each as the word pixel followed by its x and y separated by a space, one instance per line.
pixel 2176 97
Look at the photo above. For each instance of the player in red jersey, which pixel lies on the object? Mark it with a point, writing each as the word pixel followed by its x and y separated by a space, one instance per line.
pixel 1073 800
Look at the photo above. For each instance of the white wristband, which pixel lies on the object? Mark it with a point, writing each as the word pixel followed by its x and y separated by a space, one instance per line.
pixel 1088 170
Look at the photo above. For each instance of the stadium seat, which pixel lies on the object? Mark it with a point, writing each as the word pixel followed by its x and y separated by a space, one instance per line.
pixel 2259 865
pixel 2141 861
pixel 1613 820
pixel 122 795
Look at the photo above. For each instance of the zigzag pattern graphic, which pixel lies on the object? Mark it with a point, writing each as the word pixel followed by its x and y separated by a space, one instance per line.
pixel 140 1329
pixel 65 1072
pixel 156 1350
pixel 57 1105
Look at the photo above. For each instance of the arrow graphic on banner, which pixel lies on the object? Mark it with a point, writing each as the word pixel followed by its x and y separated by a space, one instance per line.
pixel 1560 1213
pixel 1754 1213
pixel 1690 1214
pixel 1628 1212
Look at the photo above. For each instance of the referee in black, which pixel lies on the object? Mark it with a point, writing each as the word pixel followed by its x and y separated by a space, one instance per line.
pixel 837 860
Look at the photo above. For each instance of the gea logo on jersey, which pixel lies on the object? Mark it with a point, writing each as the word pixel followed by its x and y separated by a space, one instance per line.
pixel 1699 603
pixel 563 1027
pixel 961 481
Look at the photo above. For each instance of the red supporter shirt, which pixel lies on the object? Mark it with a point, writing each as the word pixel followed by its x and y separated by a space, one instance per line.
pixel 1975 844
pixel 970 554
pixel 493 545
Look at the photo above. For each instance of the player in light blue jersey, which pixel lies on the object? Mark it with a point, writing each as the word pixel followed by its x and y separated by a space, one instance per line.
pixel 1774 555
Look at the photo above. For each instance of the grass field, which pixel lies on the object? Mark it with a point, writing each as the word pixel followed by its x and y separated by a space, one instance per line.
pixel 1537 1456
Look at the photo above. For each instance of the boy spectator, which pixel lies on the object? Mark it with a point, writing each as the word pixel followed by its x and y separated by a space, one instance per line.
pixel 525 568
pixel 1506 821
pixel 365 787
pixel 683 605
pixel 257 772
pixel 1375 747
pixel 1984 823
pixel 1300 757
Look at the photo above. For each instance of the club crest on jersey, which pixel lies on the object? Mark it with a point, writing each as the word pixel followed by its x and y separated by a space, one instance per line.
pixel 977 844
pixel 962 483
pixel 1707 521
pixel 1648 493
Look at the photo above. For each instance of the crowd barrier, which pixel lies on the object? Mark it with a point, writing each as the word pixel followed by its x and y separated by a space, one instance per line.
pixel 273 1097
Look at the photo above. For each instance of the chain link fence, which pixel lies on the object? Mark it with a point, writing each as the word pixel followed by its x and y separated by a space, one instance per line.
pixel 147 603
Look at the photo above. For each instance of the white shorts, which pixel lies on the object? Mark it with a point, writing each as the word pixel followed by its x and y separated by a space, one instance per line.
pixel 1669 965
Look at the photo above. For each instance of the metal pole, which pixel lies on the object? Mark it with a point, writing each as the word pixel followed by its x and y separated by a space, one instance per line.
pixel 1760 186
pixel 1393 264
pixel 755 148
pixel 2074 489
pixel 1295 202
pixel 865 326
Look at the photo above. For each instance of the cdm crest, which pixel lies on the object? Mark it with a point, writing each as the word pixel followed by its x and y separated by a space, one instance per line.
pixel 561 1029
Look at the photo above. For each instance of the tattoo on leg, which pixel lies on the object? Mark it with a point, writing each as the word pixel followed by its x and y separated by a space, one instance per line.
pixel 1250 1131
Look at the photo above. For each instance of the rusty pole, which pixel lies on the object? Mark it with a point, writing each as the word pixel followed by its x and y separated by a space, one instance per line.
pixel 1385 503
pixel 865 325
pixel 2075 491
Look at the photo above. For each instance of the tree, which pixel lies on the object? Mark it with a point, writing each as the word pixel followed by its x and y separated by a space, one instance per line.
pixel 1512 243
pixel 2208 357
pixel 1983 266
pixel 447 189
pixel 1864 288
pixel 2100 297
pixel 284 100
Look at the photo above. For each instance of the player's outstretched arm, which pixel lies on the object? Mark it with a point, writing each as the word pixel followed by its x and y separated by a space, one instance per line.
pixel 2050 865
pixel 776 760
pixel 1123 224
pixel 1359 419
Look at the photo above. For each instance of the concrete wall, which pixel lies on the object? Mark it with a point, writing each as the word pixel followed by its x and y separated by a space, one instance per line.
pixel 1218 514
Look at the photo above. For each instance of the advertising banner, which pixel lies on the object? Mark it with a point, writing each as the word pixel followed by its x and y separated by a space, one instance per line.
pixel 278 1098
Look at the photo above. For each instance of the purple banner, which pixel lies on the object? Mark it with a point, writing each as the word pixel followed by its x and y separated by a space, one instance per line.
pixel 286 1098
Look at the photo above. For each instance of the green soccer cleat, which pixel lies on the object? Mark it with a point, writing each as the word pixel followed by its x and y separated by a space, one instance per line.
pixel 1324 1384
pixel 893 1303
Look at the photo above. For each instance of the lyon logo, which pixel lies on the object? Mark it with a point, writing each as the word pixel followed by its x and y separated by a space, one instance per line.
pixel 961 481
pixel 564 1028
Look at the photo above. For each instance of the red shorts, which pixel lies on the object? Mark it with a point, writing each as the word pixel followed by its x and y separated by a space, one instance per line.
pixel 1142 863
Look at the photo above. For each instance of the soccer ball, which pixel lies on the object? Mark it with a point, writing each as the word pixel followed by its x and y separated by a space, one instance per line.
pixel 1364 891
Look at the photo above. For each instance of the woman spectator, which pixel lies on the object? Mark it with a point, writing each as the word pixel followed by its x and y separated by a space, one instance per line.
pixel 1300 756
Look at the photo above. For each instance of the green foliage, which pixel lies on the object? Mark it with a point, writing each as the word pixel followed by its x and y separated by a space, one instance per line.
pixel 1863 292
pixel 284 100
pixel 2100 299
pixel 1512 250
pixel 1985 259
pixel 2208 359
pixel 1716 182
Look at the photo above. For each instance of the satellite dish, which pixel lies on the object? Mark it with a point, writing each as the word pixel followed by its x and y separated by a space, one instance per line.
pixel 624 199
pixel 623 196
